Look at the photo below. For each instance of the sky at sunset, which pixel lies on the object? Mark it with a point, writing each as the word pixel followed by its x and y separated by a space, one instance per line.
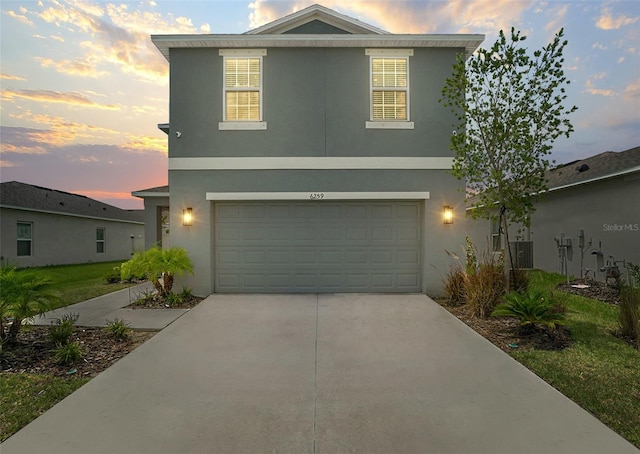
pixel 83 88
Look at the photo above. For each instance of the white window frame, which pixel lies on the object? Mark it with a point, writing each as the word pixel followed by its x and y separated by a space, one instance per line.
pixel 235 125
pixel 25 240
pixel 102 241
pixel 389 124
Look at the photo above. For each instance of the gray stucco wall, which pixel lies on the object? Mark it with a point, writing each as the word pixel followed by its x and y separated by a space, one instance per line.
pixel 61 240
pixel 153 235
pixel 189 188
pixel 315 103
pixel 608 211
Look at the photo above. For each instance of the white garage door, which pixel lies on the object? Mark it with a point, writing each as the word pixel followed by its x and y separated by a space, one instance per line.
pixel 318 247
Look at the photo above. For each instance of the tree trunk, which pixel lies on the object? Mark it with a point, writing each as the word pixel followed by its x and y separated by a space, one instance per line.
pixel 168 283
pixel 508 260
pixel 14 329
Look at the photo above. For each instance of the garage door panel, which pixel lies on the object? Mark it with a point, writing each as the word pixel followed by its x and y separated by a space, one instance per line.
pixel 317 246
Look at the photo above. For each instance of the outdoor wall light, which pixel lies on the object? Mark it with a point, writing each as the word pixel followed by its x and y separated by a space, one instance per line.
pixel 447 214
pixel 187 217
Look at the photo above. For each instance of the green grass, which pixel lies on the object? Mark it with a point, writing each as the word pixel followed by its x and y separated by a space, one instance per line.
pixel 77 283
pixel 24 397
pixel 599 372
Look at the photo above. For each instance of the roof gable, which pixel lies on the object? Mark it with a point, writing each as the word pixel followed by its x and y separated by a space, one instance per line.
pixel 317 13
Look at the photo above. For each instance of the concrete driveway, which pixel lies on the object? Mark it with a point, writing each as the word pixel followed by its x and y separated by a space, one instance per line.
pixel 316 374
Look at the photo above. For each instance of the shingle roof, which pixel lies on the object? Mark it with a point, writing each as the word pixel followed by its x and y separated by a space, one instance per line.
pixel 21 195
pixel 596 167
pixel 159 191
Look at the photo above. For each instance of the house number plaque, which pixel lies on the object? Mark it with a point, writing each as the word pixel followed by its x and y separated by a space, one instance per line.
pixel 316 196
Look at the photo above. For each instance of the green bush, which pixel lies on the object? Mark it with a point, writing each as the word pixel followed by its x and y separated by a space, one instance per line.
pixel 62 330
pixel 113 276
pixel 629 315
pixel 118 328
pixel 519 280
pixel 173 299
pixel 634 274
pixel 186 294
pixel 531 308
pixel 68 353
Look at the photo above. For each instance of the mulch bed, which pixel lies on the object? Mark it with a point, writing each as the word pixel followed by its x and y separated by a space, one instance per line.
pixel 507 334
pixel 33 351
pixel 594 289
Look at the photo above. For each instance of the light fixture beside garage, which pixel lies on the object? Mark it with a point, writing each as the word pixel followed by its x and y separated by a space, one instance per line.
pixel 448 214
pixel 187 217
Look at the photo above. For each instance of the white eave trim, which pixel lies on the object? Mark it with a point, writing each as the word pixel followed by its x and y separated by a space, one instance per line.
pixel 469 42
pixel 595 179
pixel 316 12
pixel 312 163
pixel 150 194
pixel 60 213
pixel 317 196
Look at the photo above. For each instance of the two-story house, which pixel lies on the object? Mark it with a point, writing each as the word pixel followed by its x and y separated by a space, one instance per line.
pixel 311 155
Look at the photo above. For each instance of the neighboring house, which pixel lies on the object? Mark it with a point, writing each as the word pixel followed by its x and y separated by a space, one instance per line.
pixel 312 155
pixel 41 226
pixel 593 203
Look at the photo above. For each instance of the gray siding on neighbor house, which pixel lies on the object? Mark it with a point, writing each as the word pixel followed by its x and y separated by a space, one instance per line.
pixel 59 239
pixel 316 103
pixel 608 211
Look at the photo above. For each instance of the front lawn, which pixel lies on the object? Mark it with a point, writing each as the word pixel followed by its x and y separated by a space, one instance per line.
pixel 594 368
pixel 77 283
pixel 599 371
pixel 24 397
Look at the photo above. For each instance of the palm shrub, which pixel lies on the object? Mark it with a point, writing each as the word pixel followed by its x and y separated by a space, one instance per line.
pixel 22 296
pixel 156 264
pixel 530 308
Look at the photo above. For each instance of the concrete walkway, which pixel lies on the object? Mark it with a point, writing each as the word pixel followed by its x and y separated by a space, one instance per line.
pixel 99 311
pixel 316 374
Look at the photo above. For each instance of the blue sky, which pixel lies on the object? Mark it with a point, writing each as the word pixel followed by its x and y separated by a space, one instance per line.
pixel 83 88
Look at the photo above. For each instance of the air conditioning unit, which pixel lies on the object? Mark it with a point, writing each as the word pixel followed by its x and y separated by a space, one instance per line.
pixel 522 252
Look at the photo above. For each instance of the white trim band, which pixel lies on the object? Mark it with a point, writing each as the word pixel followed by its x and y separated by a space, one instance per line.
pixel 317 196
pixel 312 163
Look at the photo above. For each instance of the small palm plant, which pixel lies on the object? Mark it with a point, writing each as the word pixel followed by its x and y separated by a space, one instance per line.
pixel 531 308
pixel 22 296
pixel 156 263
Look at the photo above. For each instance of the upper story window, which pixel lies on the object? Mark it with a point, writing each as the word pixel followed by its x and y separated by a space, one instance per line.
pixel 243 89
pixel 24 235
pixel 389 88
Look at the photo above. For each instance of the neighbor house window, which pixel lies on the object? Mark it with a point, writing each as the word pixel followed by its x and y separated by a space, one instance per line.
pixel 100 240
pixel 25 239
pixel 496 235
pixel 242 89
pixel 389 88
